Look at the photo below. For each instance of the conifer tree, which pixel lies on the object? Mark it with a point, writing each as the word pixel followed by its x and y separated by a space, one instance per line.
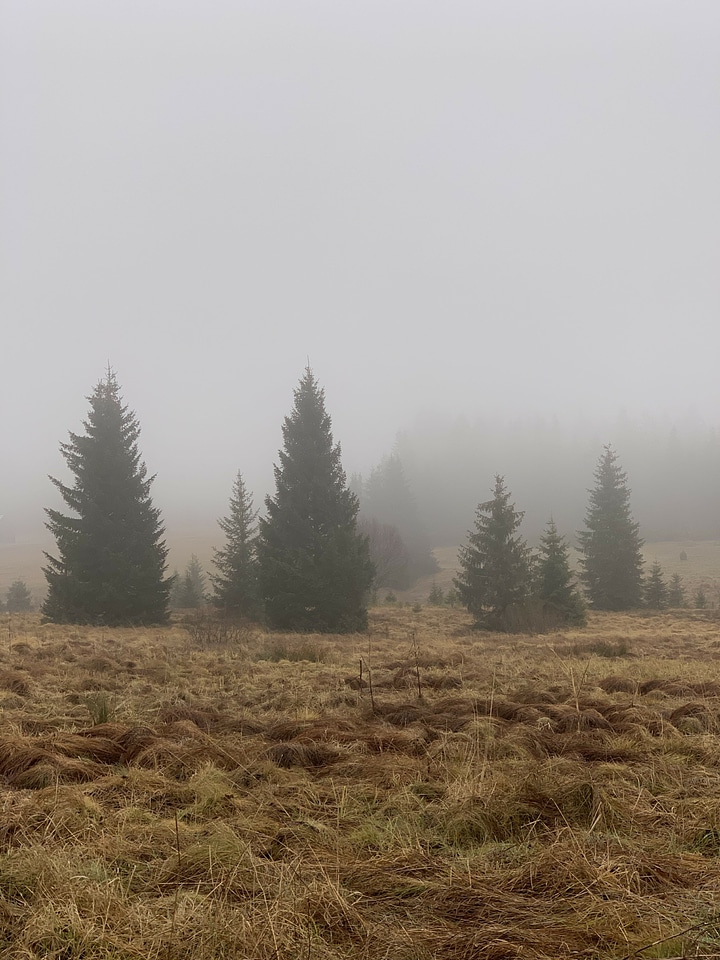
pixel 315 568
pixel 19 598
pixel 188 590
pixel 555 586
pixel 196 575
pixel 111 558
pixel 236 580
pixel 495 565
pixel 611 545
pixel 656 590
pixel 436 597
pixel 700 600
pixel 188 597
pixel 676 592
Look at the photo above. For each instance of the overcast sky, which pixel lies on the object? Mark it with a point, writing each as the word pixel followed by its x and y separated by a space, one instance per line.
pixel 490 207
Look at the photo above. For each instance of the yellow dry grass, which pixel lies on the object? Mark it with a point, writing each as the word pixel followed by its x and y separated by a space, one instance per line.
pixel 422 791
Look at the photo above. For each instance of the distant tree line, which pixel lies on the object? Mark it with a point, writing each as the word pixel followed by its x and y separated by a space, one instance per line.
pixel 311 562
pixel 400 546
pixel 675 473
pixel 507 587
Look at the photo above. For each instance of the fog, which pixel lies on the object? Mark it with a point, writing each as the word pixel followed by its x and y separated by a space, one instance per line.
pixel 498 212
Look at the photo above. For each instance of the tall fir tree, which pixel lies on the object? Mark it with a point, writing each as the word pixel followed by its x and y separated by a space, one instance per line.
pixel 555 584
pixel 495 566
pixel 611 544
pixel 111 557
pixel 315 568
pixel 236 580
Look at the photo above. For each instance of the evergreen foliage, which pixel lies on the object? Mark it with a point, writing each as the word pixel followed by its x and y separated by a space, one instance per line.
pixel 676 592
pixel 452 597
pixel 611 545
pixel 555 584
pixel 188 590
pixel 176 589
pixel 356 485
pixel 19 598
pixel 388 499
pixel 700 600
pixel 436 597
pixel 495 565
pixel 236 580
pixel 196 575
pixel 188 597
pixel 656 590
pixel 315 570
pixel 111 558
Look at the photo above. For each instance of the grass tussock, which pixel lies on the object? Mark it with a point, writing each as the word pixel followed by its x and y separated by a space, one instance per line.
pixel 423 791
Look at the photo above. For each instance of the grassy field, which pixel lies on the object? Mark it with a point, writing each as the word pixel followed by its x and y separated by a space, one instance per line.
pixel 423 791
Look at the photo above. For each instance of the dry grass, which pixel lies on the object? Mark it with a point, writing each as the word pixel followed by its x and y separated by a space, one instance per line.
pixel 423 791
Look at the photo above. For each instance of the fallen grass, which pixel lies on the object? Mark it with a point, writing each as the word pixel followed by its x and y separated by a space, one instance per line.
pixel 421 791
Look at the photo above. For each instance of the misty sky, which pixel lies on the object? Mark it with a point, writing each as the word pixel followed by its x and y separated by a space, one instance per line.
pixel 488 208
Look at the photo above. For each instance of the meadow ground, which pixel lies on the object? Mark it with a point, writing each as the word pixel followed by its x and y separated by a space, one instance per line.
pixel 422 791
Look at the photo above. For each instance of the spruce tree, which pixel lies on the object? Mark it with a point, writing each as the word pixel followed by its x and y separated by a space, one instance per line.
pixel 195 573
pixel 611 545
pixel 656 590
pixel 495 565
pixel 315 568
pixel 111 558
pixel 188 597
pixel 236 582
pixel 676 592
pixel 700 600
pixel 555 586
pixel 188 591
pixel 436 597
pixel 19 598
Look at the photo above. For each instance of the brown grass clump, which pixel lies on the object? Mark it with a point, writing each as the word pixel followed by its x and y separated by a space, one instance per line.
pixel 615 684
pixel 14 681
pixel 302 754
pixel 206 718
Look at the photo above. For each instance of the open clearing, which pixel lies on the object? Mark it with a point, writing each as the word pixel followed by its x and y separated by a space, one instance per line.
pixel 495 796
